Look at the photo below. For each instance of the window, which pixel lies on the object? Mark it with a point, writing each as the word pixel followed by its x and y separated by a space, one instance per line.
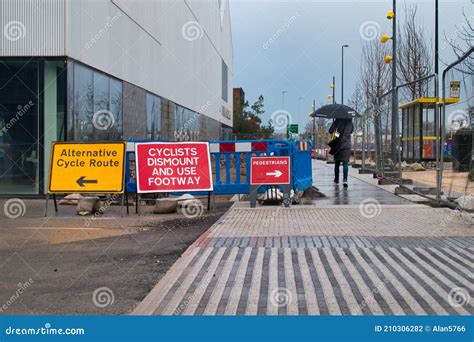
pixel 153 117
pixel 96 105
pixel 19 127
pixel 116 105
pixel 187 124
pixel 225 86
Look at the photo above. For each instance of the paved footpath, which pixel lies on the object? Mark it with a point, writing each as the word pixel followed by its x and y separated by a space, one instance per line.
pixel 346 254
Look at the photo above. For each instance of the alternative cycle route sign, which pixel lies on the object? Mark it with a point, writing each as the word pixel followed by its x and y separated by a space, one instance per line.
pixel 173 167
pixel 270 170
pixel 87 167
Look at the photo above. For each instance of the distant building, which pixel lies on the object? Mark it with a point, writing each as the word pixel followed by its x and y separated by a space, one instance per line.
pixel 238 101
pixel 83 70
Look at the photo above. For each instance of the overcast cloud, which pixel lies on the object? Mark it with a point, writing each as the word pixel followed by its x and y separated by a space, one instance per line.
pixel 296 45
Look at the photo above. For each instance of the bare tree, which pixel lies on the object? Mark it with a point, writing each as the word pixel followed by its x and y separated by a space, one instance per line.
pixel 463 40
pixel 321 132
pixel 374 72
pixel 414 61
pixel 374 79
pixel 357 101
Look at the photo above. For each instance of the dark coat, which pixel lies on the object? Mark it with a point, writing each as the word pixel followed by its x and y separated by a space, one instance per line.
pixel 345 128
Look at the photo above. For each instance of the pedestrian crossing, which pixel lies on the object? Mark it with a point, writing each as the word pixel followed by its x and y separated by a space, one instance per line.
pixel 323 280
pixel 396 259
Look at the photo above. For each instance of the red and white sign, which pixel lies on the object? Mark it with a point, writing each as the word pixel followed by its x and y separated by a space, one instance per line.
pixel 269 170
pixel 168 166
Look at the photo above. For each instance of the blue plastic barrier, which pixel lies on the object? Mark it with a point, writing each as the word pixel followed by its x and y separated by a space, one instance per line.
pixel 301 165
pixel 230 162
pixel 227 151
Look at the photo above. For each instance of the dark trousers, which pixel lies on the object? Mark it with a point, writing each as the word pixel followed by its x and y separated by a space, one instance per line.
pixel 345 170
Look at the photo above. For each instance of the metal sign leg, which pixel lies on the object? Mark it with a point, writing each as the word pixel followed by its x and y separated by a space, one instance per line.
pixel 46 206
pixel 55 204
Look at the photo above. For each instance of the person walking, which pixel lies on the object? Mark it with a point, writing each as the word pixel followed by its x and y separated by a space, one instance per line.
pixel 343 129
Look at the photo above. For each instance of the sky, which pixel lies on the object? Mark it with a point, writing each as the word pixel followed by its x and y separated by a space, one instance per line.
pixel 295 46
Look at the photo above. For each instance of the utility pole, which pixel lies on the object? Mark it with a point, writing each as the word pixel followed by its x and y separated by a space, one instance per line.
pixel 299 106
pixel 394 135
pixel 438 124
pixel 436 59
pixel 334 90
pixel 314 125
pixel 283 108
pixel 283 99
pixel 342 73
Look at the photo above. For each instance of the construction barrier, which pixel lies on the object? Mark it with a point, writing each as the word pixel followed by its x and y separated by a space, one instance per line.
pixel 301 165
pixel 230 163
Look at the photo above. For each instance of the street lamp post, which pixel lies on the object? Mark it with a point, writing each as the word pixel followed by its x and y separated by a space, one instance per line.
pixel 392 15
pixel 314 125
pixel 436 42
pixel 394 135
pixel 333 86
pixel 342 73
pixel 283 108
pixel 438 124
pixel 299 106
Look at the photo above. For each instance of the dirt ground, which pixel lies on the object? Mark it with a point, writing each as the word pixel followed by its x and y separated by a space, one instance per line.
pixel 452 181
pixel 69 265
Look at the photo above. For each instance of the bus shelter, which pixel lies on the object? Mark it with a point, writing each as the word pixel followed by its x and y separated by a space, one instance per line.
pixel 418 128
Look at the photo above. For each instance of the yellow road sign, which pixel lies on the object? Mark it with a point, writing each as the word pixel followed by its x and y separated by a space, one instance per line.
pixel 87 167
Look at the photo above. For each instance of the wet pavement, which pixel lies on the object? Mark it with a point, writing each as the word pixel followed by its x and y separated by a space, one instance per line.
pixel 358 191
pixel 359 251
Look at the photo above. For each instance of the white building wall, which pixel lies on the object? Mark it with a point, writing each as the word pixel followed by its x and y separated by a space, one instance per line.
pixel 143 42
pixel 32 27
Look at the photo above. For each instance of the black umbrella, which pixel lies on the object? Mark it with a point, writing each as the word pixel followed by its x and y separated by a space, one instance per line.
pixel 335 111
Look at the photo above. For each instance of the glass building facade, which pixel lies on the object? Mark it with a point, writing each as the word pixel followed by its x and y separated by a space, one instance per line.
pixel 32 111
pixel 95 105
pixel 56 99
pixel 187 124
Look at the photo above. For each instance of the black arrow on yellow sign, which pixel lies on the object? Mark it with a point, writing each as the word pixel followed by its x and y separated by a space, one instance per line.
pixel 82 180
